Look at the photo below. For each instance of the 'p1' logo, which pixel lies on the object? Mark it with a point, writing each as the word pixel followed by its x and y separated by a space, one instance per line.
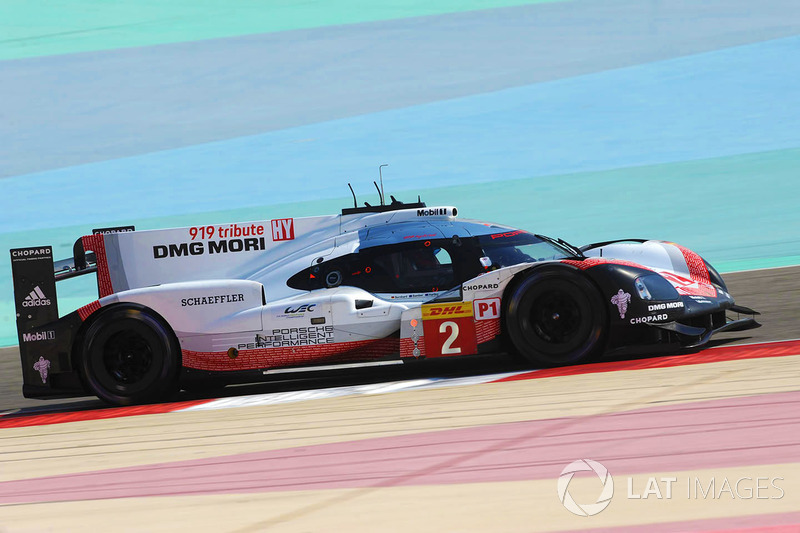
pixel 282 229
pixel 487 308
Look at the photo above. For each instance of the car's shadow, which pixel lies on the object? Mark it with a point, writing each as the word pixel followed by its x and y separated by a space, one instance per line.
pixel 431 368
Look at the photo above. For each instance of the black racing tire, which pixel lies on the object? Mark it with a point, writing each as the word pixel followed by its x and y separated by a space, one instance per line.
pixel 555 317
pixel 130 356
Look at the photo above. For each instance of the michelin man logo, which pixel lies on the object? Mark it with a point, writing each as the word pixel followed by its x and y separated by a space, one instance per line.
pixel 42 366
pixel 586 509
pixel 621 300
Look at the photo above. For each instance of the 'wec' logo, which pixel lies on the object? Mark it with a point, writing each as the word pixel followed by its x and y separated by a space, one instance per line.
pixel 303 308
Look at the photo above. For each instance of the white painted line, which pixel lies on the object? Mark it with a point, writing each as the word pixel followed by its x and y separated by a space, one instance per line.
pixel 354 390
pixel 472 380
pixel 398 385
pixel 330 367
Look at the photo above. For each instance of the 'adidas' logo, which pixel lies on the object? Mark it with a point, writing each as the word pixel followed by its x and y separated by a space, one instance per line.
pixel 35 299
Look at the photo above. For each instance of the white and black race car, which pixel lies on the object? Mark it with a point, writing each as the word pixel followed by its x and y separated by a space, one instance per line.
pixel 375 283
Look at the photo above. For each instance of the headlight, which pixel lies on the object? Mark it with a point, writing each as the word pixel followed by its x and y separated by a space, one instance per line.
pixel 654 287
pixel 641 288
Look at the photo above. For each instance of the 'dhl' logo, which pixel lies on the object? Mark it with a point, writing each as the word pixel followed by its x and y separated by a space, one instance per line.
pixel 448 310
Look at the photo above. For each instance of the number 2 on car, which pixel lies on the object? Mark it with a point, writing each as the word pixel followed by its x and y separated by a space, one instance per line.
pixel 449 329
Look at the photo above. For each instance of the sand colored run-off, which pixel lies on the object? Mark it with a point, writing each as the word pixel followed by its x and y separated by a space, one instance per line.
pixel 697 435
pixel 480 457
pixel 500 506
pixel 67 448
pixel 124 442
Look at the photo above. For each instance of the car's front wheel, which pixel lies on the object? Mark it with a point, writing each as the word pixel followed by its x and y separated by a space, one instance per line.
pixel 130 356
pixel 555 316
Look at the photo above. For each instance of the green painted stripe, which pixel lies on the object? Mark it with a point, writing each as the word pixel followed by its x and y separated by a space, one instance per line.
pixel 42 27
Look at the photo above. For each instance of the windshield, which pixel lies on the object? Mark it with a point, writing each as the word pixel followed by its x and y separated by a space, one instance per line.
pixel 518 246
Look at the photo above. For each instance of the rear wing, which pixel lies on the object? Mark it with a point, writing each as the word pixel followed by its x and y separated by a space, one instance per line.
pixel 44 339
pixel 35 275
pixel 83 262
pixel 79 264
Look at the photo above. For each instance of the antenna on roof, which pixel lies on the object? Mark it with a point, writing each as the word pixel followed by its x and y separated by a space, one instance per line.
pixel 381 175
pixel 355 202
pixel 379 192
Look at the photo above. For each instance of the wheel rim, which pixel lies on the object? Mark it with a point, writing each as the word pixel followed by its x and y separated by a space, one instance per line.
pixel 555 318
pixel 127 358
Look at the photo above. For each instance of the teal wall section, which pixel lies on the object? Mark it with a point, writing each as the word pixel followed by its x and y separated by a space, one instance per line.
pixel 41 27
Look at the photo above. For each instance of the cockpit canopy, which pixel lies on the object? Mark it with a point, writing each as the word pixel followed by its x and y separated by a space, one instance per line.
pixel 429 265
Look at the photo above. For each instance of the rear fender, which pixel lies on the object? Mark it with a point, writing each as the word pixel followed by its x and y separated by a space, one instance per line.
pixel 202 307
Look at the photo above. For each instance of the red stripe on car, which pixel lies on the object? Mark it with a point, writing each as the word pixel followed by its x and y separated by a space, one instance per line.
pixel 97 244
pixel 253 359
pixel 590 262
pixel 87 310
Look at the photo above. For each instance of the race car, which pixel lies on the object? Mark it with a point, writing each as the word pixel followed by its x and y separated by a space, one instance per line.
pixel 392 282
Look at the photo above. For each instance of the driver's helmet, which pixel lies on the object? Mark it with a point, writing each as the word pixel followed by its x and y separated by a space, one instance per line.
pixel 421 259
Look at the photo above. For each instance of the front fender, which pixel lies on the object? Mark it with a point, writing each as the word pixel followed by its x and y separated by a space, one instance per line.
pixel 660 256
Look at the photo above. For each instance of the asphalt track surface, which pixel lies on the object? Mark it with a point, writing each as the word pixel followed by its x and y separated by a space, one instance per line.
pixel 772 292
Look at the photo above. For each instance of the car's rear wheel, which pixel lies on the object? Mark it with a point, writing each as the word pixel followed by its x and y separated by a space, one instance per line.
pixel 130 356
pixel 555 316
